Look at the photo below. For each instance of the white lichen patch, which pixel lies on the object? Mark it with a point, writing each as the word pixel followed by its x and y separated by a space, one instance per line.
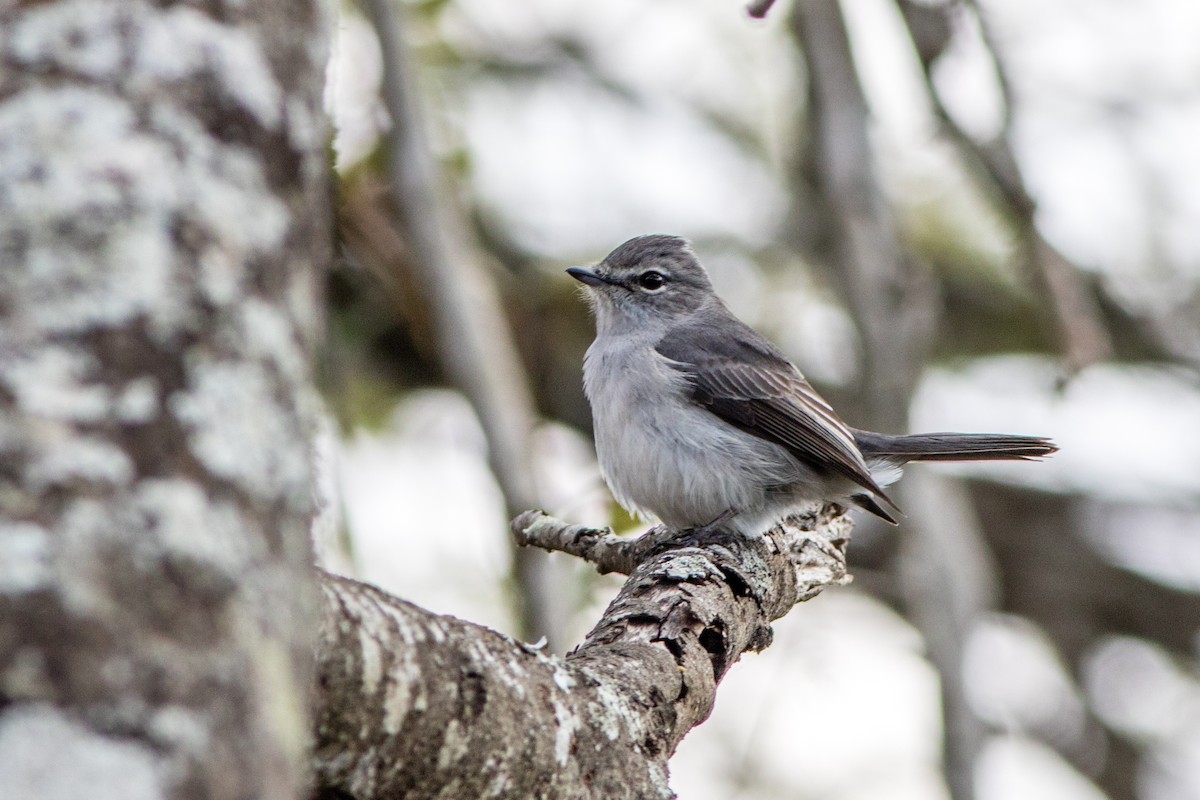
pixel 53 382
pixel 610 712
pixel 396 704
pixel 137 401
pixel 567 722
pixel 94 197
pixel 454 745
pixel 660 779
pixel 81 37
pixel 406 632
pixel 89 196
pixel 690 568
pixel 220 276
pixel 510 673
pixel 436 630
pixel 55 394
pixel 159 519
pixel 403 676
pixel 65 459
pixel 306 128
pixel 501 781
pixel 562 678
pixel 265 333
pixel 452 790
pixel 181 42
pixel 25 566
pixel 47 754
pixel 83 530
pixel 223 189
pixel 372 661
pixel 237 431
pixel 183 521
pixel 181 729
pixel 137 45
pixel 363 775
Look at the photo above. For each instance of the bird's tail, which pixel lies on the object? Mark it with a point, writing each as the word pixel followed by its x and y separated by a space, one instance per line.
pixel 952 447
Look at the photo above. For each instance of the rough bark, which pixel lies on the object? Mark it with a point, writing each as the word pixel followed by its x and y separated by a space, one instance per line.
pixel 412 704
pixel 162 215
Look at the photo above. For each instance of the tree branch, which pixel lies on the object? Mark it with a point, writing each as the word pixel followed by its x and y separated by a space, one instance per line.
pixel 891 296
pixel 474 339
pixel 407 700
pixel 1084 337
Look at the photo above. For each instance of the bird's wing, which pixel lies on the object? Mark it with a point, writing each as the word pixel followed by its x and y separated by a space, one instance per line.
pixel 744 380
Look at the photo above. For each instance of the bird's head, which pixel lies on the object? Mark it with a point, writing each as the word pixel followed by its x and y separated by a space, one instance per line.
pixel 648 279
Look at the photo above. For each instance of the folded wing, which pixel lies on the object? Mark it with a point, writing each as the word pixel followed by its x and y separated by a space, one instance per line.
pixel 745 381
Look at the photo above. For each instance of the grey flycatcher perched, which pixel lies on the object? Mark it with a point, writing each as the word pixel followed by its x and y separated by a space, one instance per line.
pixel 701 421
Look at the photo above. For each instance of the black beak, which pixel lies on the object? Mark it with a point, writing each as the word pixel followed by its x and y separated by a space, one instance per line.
pixel 587 276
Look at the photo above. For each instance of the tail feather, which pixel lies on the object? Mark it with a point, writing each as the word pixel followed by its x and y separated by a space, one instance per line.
pixel 869 503
pixel 952 447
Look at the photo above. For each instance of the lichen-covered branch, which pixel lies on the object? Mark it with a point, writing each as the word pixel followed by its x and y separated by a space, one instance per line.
pixel 598 546
pixel 162 206
pixel 412 704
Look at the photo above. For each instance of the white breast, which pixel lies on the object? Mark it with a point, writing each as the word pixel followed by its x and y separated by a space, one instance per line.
pixel 664 456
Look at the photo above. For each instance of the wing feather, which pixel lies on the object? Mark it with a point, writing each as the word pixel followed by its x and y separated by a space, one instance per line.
pixel 744 380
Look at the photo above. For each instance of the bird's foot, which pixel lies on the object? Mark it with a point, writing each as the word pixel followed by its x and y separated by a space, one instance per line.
pixel 714 529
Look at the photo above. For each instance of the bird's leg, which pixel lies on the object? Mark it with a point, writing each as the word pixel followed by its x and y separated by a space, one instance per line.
pixel 713 527
pixel 720 520
pixel 660 538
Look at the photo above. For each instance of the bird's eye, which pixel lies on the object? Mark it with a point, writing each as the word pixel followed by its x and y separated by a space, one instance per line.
pixel 651 280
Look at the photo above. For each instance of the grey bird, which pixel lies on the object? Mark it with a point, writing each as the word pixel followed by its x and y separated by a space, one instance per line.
pixel 701 422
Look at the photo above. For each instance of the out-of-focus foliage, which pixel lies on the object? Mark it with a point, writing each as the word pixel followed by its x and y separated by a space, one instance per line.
pixel 563 127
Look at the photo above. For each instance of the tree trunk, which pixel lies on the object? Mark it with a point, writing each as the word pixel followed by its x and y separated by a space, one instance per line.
pixel 163 215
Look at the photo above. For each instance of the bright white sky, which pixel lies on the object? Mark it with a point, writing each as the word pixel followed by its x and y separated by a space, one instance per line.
pixel 1108 131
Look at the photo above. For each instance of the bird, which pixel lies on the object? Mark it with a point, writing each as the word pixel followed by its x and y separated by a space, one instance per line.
pixel 702 423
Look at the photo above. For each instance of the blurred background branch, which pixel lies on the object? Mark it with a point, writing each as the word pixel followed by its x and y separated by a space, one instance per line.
pixel 944 570
pixel 939 210
pixel 473 341
pixel 1083 337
